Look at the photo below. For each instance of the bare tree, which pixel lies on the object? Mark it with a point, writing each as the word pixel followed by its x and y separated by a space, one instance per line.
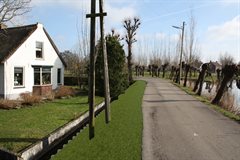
pixel 131 26
pixel 10 9
pixel 79 57
pixel 226 59
pixel 191 47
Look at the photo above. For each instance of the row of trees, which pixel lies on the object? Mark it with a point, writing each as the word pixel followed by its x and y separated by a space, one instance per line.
pixel 230 71
pixel 162 49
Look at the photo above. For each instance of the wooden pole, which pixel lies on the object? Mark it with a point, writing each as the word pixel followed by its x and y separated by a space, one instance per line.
pixel 92 71
pixel 105 61
pixel 180 69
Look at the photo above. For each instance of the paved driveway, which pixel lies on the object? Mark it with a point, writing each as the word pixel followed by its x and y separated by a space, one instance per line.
pixel 178 127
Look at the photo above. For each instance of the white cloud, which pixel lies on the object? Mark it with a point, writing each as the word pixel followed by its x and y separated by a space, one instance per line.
pixel 115 9
pixel 227 31
pixel 222 38
pixel 82 4
pixel 118 14
pixel 230 2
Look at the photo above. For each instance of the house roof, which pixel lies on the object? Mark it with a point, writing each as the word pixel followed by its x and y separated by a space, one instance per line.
pixel 216 64
pixel 12 38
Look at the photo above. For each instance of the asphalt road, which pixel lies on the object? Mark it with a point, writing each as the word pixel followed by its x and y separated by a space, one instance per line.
pixel 178 127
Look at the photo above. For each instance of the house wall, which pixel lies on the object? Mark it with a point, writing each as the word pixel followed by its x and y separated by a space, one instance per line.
pixel 25 57
pixel 1 80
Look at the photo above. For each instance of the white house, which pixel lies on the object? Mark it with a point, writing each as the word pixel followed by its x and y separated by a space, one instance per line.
pixel 29 62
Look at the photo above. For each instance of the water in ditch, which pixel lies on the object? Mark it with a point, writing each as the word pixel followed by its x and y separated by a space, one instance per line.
pixel 234 92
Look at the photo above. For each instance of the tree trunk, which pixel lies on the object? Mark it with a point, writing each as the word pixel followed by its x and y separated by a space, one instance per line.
pixel 228 73
pixel 163 75
pixel 177 75
pixel 201 83
pixel 201 76
pixel 186 75
pixel 130 78
pixel 221 90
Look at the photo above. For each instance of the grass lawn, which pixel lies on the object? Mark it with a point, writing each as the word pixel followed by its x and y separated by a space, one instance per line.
pixel 20 128
pixel 121 139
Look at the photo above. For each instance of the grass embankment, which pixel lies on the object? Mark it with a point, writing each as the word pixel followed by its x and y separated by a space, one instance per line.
pixel 208 102
pixel 119 140
pixel 20 128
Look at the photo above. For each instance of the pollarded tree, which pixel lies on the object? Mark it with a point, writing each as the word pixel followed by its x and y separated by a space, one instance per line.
pixel 200 80
pixel 116 62
pixel 131 26
pixel 10 9
pixel 228 72
pixel 226 59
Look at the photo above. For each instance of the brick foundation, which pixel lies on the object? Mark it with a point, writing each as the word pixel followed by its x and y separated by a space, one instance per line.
pixel 42 90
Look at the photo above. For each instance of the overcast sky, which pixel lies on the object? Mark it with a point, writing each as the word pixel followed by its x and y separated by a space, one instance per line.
pixel 217 28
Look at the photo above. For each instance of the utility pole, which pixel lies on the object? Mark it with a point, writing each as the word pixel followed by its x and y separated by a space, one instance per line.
pixel 105 61
pixel 180 65
pixel 91 95
pixel 92 69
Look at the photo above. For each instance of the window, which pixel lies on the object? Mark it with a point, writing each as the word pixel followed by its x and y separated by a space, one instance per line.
pixel 18 76
pixel 59 76
pixel 39 50
pixel 42 75
pixel 37 76
pixel 46 75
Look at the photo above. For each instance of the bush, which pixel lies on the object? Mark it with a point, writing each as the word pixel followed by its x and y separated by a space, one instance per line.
pixel 227 102
pixel 50 97
pixel 8 104
pixel 28 99
pixel 118 77
pixel 64 91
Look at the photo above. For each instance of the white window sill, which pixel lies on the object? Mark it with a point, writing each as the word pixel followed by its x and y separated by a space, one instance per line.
pixel 43 85
pixel 18 87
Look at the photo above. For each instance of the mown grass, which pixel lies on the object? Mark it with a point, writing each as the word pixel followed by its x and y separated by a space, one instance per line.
pixel 20 128
pixel 208 102
pixel 121 139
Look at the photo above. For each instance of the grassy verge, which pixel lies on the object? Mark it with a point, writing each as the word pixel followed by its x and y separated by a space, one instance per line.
pixel 120 139
pixel 21 127
pixel 208 102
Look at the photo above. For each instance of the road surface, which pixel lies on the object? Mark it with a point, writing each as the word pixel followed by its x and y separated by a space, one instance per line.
pixel 178 127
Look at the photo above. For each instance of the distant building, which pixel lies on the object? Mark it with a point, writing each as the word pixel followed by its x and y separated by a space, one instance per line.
pixel 29 62
pixel 213 66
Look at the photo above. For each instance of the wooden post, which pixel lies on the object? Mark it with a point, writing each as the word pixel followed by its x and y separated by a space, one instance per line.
pixel 180 71
pixel 93 57
pixel 92 71
pixel 105 61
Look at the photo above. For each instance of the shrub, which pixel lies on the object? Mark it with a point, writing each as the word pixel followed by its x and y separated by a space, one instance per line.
pixel 28 99
pixel 118 77
pixel 64 91
pixel 8 104
pixel 50 97
pixel 227 102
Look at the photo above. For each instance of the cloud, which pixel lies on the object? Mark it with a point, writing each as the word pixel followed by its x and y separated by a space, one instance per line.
pixel 222 38
pixel 117 9
pixel 227 31
pixel 118 14
pixel 230 2
pixel 82 4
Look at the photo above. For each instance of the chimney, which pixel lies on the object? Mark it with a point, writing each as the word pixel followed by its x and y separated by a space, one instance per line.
pixel 3 26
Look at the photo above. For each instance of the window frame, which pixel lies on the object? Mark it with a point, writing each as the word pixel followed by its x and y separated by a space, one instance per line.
pixel 23 77
pixel 42 50
pixel 59 76
pixel 41 75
